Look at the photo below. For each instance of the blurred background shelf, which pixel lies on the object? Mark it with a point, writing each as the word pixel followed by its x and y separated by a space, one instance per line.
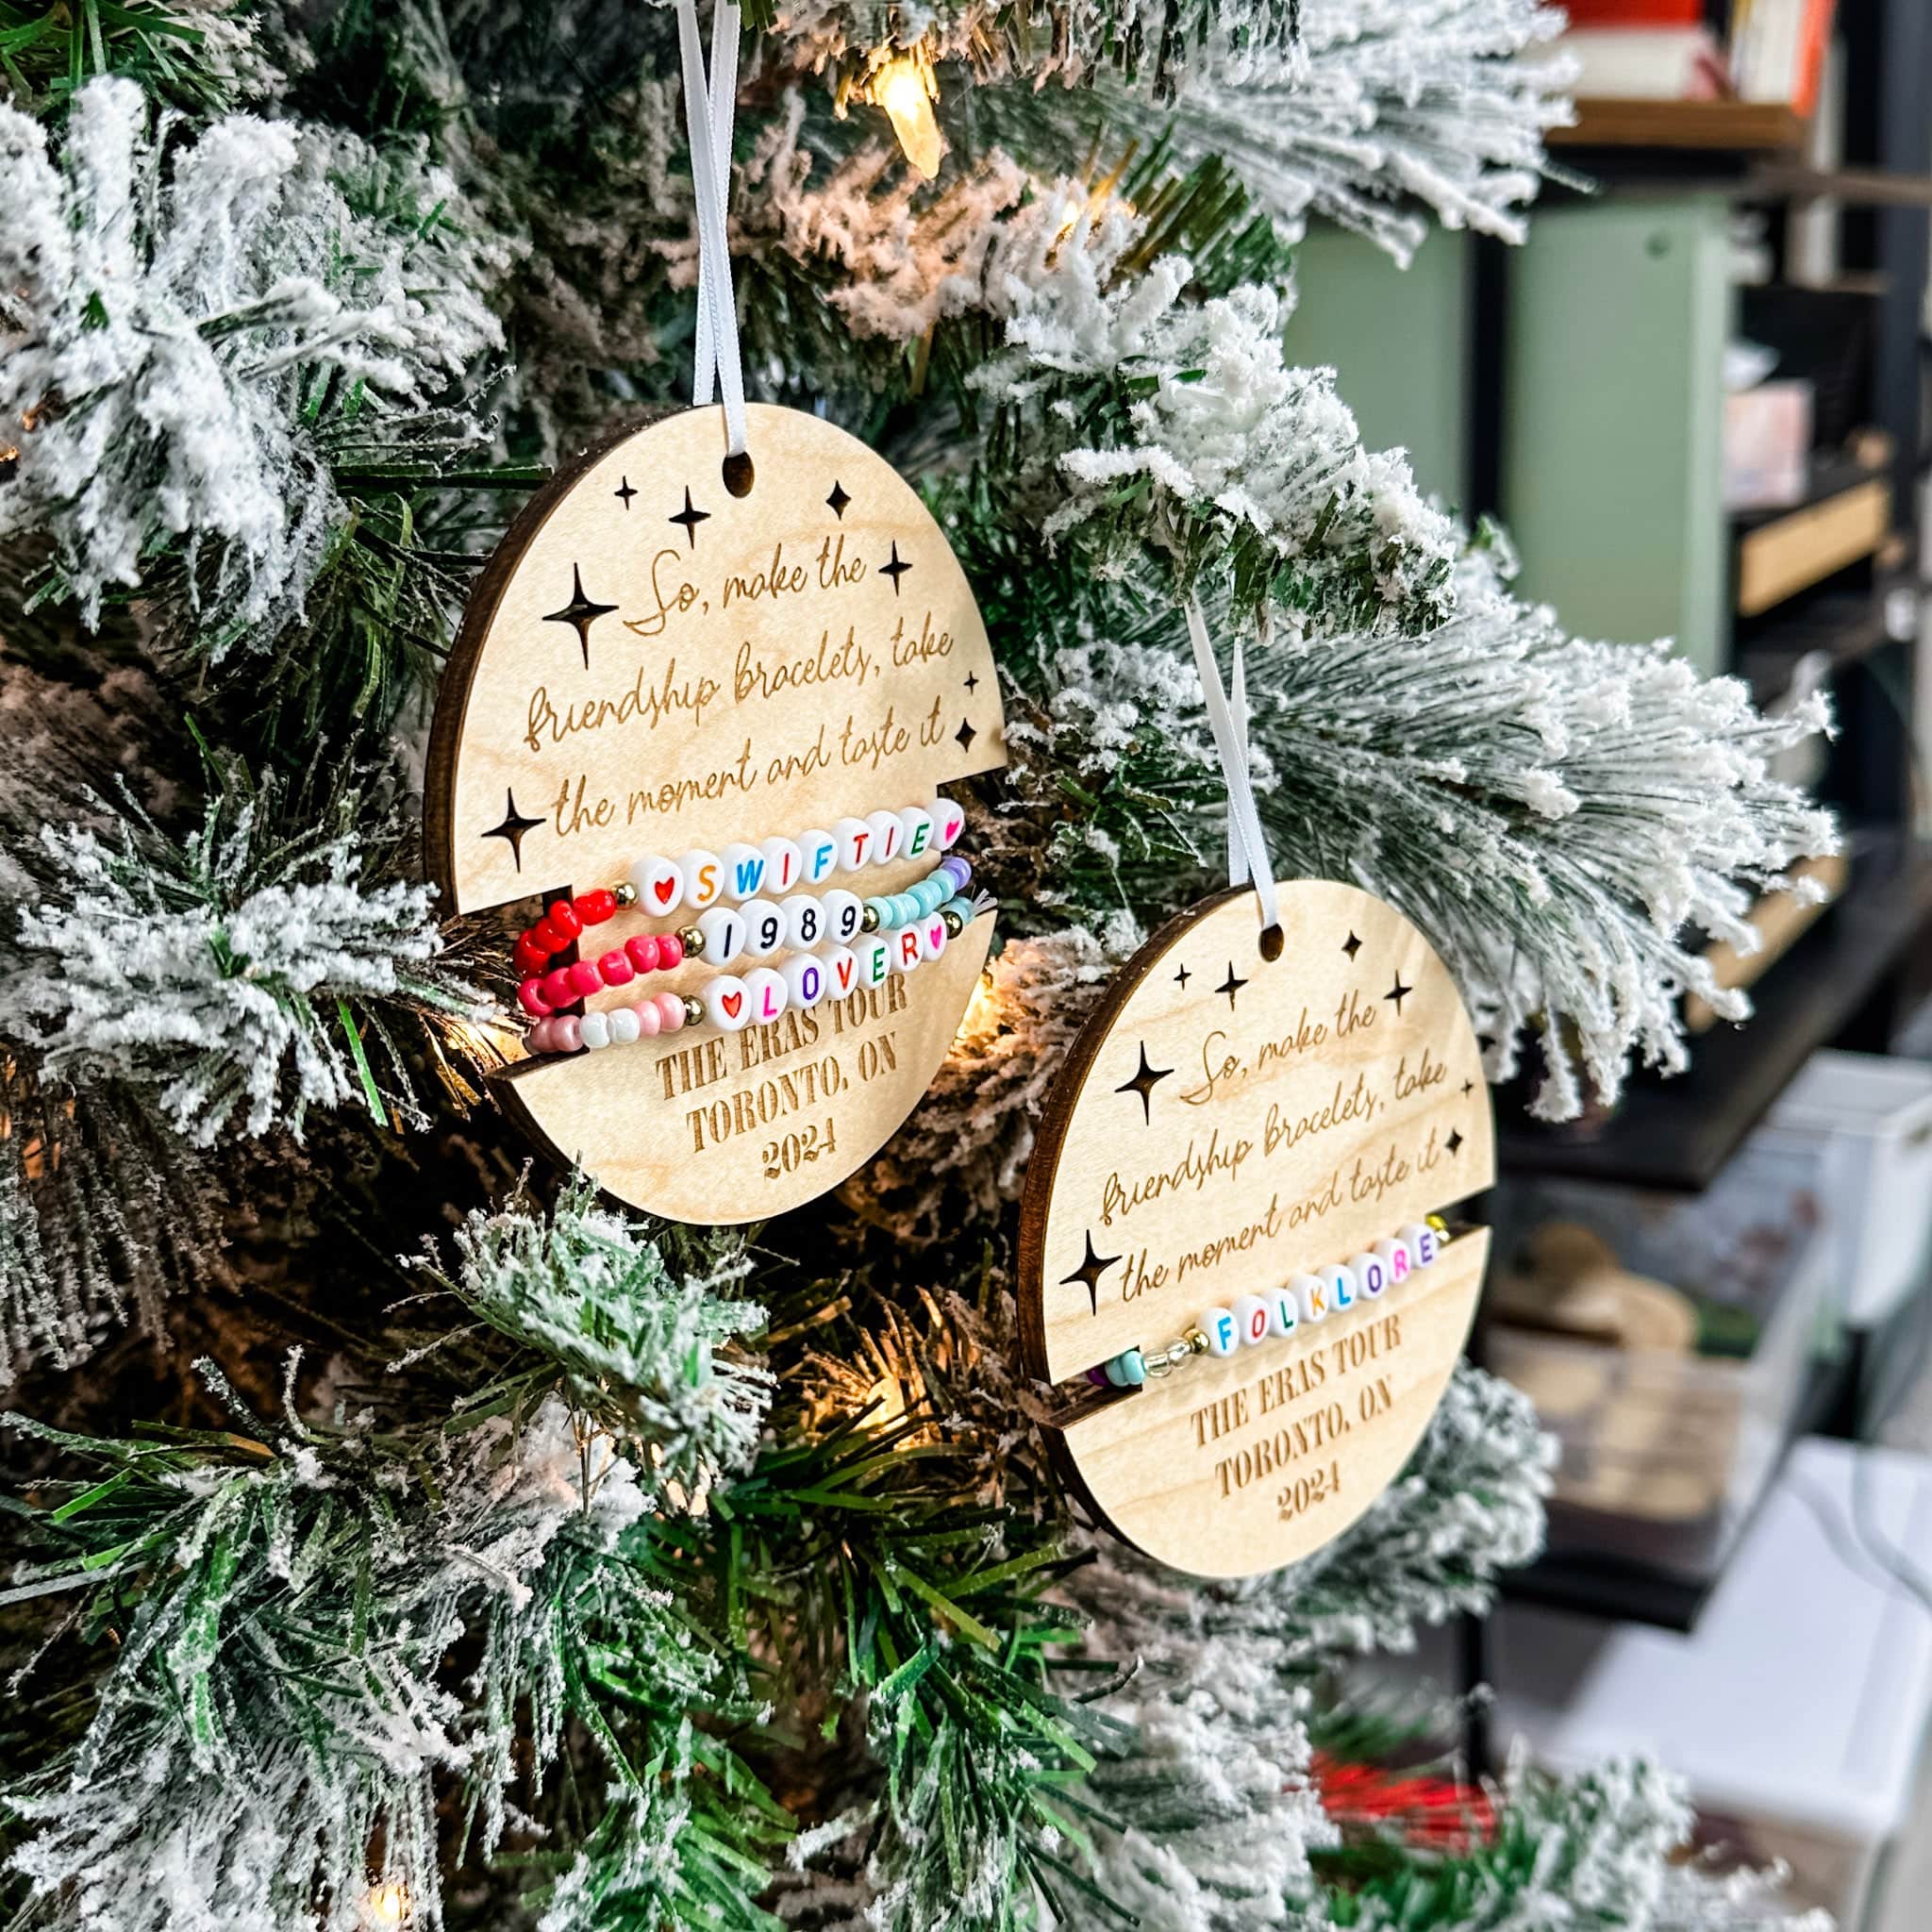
pixel 1741 127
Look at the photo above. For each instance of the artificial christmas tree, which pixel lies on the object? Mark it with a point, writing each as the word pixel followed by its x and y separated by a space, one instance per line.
pixel 404 1535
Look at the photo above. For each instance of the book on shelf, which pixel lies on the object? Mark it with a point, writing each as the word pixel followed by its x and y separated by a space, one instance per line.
pixel 1778 49
pixel 1646 63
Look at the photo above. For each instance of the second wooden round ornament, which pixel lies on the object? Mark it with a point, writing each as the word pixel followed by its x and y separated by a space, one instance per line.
pixel 676 666
pixel 1232 1248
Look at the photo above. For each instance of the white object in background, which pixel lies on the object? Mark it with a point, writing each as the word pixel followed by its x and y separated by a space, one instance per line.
pixel 1871 1118
pixel 1799 1700
pixel 1634 63
pixel 1768 445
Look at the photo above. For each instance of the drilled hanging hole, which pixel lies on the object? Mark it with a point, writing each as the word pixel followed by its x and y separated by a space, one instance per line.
pixel 739 474
pixel 1272 942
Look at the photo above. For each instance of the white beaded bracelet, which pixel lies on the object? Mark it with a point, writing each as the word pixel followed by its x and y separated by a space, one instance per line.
pixel 1304 1299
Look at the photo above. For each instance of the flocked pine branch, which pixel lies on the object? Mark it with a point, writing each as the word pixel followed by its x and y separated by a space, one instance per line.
pixel 192 334
pixel 241 975
pixel 199 55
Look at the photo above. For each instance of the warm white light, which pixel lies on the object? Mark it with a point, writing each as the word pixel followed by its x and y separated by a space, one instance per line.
pixel 386 1905
pixel 905 88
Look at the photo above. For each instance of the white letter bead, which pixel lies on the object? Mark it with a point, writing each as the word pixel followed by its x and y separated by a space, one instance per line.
pixel 624 1025
pixel 1311 1291
pixel 765 993
pixel 784 863
pixel 1424 1244
pixel 722 930
pixel 804 921
pixel 727 1004
pixel 949 820
pixel 1250 1314
pixel 905 952
pixel 855 843
pixel 703 878
pixel 845 914
pixel 932 938
pixel 888 836
pixel 595 1030
pixel 659 882
pixel 1218 1326
pixel 1342 1288
pixel 916 827
pixel 1371 1276
pixel 842 973
pixel 1283 1316
pixel 745 871
pixel 818 856
pixel 875 960
pixel 805 980
pixel 764 927
pixel 1394 1256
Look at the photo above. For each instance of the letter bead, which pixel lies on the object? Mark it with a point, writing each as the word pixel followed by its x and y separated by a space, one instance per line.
pixel 855 843
pixel 949 820
pixel 703 878
pixel 932 938
pixel 819 853
pixel 804 921
pixel 888 836
pixel 659 884
pixel 765 993
pixel 845 914
pixel 1394 1255
pixel 764 928
pixel 1370 1274
pixel 1218 1326
pixel 1424 1243
pixel 842 973
pixel 784 864
pixel 916 829
pixel 1250 1314
pixel 1284 1317
pixel 906 953
pixel 727 1002
pixel 745 871
pixel 1311 1292
pixel 875 960
pixel 723 931
pixel 1342 1288
pixel 805 980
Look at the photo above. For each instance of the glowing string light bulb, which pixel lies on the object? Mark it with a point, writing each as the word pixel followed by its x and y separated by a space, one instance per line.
pixel 905 86
pixel 385 1907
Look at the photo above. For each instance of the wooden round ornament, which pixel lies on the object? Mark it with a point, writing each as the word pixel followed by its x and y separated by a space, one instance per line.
pixel 1232 1126
pixel 659 659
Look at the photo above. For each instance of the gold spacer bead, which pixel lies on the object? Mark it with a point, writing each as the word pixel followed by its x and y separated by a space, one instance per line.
pixel 869 918
pixel 692 941
pixel 624 893
pixel 955 925
pixel 693 1010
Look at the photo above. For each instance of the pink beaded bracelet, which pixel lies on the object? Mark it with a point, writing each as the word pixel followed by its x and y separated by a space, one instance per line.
pixel 664 1012
pixel 564 986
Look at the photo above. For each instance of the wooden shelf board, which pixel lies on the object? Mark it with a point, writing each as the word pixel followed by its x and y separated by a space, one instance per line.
pixel 1791 552
pixel 1679 1133
pixel 1739 127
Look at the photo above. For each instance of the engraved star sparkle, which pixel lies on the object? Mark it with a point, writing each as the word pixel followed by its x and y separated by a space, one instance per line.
pixel 965 735
pixel 1089 1273
pixel 1181 977
pixel 1351 945
pixel 1468 1088
pixel 512 828
pixel 623 493
pixel 1455 1139
pixel 690 518
pixel 1144 1083
pixel 580 613
pixel 895 570
pixel 838 500
pixel 1230 986
pixel 972 681
pixel 1398 992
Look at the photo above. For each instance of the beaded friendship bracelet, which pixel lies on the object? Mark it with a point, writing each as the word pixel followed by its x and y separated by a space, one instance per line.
pixel 1251 1320
pixel 729 1003
pixel 757 929
pixel 741 871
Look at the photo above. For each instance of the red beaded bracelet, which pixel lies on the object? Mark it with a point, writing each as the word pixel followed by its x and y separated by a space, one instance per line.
pixel 564 986
pixel 563 923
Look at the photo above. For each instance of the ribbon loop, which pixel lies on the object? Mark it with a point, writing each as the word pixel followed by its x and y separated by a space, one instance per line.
pixel 1247 847
pixel 709 107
